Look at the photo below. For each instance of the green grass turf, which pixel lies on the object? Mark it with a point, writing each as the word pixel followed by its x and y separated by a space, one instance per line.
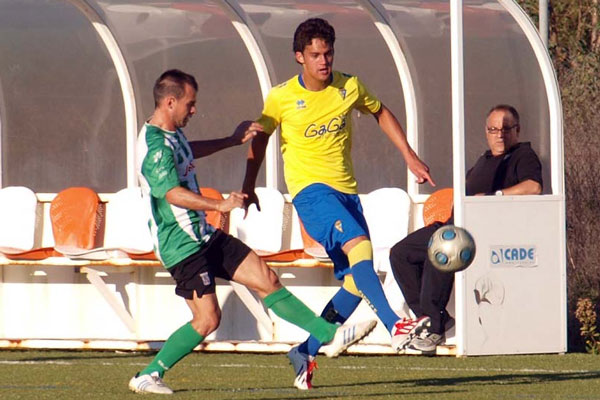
pixel 104 375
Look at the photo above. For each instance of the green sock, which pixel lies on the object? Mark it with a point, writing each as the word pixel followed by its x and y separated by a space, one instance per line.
pixel 290 308
pixel 178 345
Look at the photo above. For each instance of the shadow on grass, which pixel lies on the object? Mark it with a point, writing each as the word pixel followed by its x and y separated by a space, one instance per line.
pixel 318 393
pixel 503 379
pixel 78 355
pixel 398 388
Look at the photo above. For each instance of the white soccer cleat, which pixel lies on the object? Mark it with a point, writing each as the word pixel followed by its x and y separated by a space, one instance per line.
pixel 346 336
pixel 149 383
pixel 304 365
pixel 407 329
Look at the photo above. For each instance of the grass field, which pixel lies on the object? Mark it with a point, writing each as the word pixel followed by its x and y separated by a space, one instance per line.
pixel 104 375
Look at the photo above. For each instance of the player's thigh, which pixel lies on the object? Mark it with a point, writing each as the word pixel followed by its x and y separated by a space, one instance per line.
pixel 254 273
pixel 330 217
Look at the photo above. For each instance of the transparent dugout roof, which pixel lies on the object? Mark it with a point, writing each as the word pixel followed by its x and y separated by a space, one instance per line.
pixel 66 117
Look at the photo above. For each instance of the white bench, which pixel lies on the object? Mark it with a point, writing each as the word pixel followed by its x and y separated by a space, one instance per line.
pixel 119 239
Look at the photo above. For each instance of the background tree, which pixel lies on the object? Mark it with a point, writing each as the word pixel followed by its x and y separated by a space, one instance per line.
pixel 574 45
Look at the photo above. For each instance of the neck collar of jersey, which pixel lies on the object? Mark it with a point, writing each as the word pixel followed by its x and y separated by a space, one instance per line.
pixel 162 129
pixel 301 80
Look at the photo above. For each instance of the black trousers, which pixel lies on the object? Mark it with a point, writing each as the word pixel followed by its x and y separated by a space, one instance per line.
pixel 425 289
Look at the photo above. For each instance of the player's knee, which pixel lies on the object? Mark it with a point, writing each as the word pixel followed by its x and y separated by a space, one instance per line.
pixel 264 282
pixel 272 282
pixel 362 251
pixel 206 323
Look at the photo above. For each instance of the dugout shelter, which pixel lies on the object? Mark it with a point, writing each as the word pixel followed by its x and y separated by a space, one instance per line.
pixel 75 87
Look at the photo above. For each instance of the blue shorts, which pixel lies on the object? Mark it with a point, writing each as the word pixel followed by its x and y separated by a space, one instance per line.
pixel 332 218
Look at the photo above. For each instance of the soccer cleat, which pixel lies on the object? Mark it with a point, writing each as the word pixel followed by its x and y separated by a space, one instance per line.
pixel 407 329
pixel 346 336
pixel 426 342
pixel 149 383
pixel 304 365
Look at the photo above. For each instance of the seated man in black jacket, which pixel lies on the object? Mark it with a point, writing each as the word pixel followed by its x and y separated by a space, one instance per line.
pixel 507 168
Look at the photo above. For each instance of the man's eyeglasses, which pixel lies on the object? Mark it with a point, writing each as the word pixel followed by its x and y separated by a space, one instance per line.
pixel 505 129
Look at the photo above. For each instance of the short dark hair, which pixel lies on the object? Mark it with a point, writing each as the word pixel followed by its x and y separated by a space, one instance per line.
pixel 313 28
pixel 172 83
pixel 506 108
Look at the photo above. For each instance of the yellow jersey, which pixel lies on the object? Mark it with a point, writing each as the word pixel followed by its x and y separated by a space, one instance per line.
pixel 316 130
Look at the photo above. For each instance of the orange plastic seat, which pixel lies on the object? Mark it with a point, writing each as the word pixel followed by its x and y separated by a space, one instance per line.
pixel 76 219
pixel 438 206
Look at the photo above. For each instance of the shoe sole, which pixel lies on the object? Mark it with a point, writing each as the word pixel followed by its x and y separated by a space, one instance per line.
pixel 340 350
pixel 425 352
pixel 429 351
pixel 147 392
pixel 300 387
pixel 135 389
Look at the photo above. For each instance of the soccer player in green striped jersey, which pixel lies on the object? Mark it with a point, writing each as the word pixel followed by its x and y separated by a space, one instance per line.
pixel 195 252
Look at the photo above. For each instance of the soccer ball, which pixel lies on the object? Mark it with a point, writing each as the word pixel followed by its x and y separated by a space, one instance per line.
pixel 451 249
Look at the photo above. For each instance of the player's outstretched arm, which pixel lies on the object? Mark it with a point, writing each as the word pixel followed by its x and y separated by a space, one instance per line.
pixel 243 132
pixel 256 155
pixel 391 127
pixel 185 198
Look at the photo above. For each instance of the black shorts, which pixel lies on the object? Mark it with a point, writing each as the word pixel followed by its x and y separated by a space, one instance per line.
pixel 220 257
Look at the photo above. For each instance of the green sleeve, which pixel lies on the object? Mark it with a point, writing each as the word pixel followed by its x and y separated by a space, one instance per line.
pixel 159 170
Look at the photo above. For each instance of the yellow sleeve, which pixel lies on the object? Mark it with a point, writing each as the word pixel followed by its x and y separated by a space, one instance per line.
pixel 271 114
pixel 366 103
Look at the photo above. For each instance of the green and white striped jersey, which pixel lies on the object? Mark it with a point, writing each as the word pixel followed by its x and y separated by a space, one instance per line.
pixel 164 160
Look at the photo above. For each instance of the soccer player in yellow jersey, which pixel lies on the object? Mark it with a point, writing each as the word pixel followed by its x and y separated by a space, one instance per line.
pixel 313 110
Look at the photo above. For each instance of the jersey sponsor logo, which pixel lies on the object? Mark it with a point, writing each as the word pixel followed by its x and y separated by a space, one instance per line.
pixel 161 173
pixel 157 156
pixel 342 93
pixel 300 104
pixel 513 256
pixel 335 125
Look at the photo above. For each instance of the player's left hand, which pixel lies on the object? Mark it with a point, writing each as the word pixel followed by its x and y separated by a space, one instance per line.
pixel 251 198
pixel 420 170
pixel 235 200
pixel 245 131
